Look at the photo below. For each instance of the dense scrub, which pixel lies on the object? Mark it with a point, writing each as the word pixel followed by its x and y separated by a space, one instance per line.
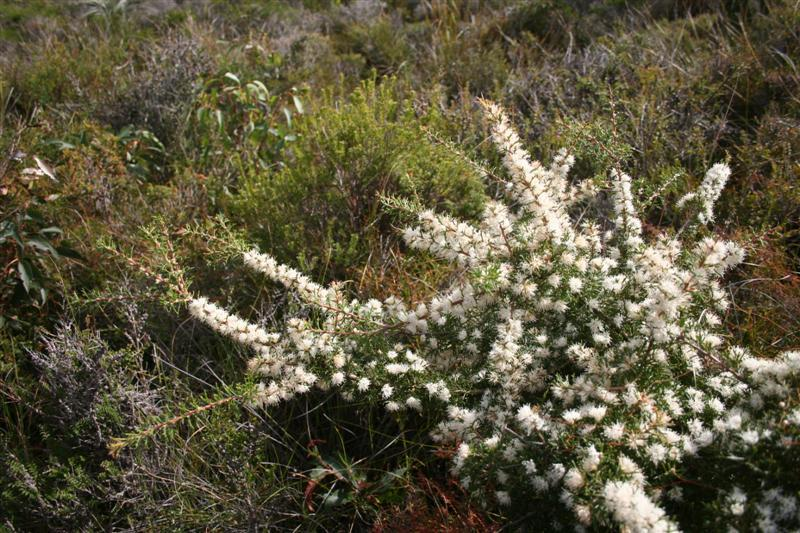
pixel 145 146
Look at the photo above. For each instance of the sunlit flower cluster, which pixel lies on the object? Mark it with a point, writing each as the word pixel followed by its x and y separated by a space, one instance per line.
pixel 709 192
pixel 572 361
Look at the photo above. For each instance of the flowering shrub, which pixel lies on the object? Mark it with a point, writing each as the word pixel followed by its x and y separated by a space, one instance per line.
pixel 572 361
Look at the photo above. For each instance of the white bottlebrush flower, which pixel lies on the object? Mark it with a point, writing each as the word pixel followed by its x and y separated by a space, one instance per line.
pixel 438 390
pixel 750 437
pixel 414 403
pixel 584 514
pixel 575 284
pixel 290 278
pixel 573 479
pixel 492 442
pixel 597 412
pixel 397 368
pixel 710 189
pixel 657 452
pixel 615 431
pixel 393 406
pixel 591 459
pixel 737 500
pixel 633 509
pixel 503 498
pixel 565 337
pixel 555 473
pixel 530 419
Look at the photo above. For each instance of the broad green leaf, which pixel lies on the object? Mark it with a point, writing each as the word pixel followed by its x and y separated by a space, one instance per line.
pixel 51 230
pixel 9 230
pixel 67 251
pixel 41 244
pixel 61 145
pixel 298 104
pixel 318 473
pixel 26 274
pixel 44 167
pixel 334 498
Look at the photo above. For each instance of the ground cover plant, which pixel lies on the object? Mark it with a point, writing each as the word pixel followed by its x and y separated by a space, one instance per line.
pixel 294 264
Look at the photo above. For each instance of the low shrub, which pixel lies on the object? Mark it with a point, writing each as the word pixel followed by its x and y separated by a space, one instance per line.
pixel 159 96
pixel 65 402
pixel 158 155
pixel 325 205
pixel 32 244
pixel 241 127
pixel 378 38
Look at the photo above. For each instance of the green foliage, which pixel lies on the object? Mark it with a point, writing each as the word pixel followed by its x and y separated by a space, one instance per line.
pixel 28 245
pixel 64 403
pixel 380 41
pixel 64 70
pixel 17 18
pixel 325 203
pixel 106 9
pixel 32 246
pixel 144 152
pixel 241 127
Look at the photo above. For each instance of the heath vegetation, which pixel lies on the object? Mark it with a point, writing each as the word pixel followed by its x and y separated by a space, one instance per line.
pixel 402 265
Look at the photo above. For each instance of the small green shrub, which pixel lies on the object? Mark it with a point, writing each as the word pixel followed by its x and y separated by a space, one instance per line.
pixel 326 203
pixel 17 17
pixel 32 246
pixel 241 126
pixel 67 400
pixel 64 70
pixel 381 42
pixel 158 96
pixel 27 247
